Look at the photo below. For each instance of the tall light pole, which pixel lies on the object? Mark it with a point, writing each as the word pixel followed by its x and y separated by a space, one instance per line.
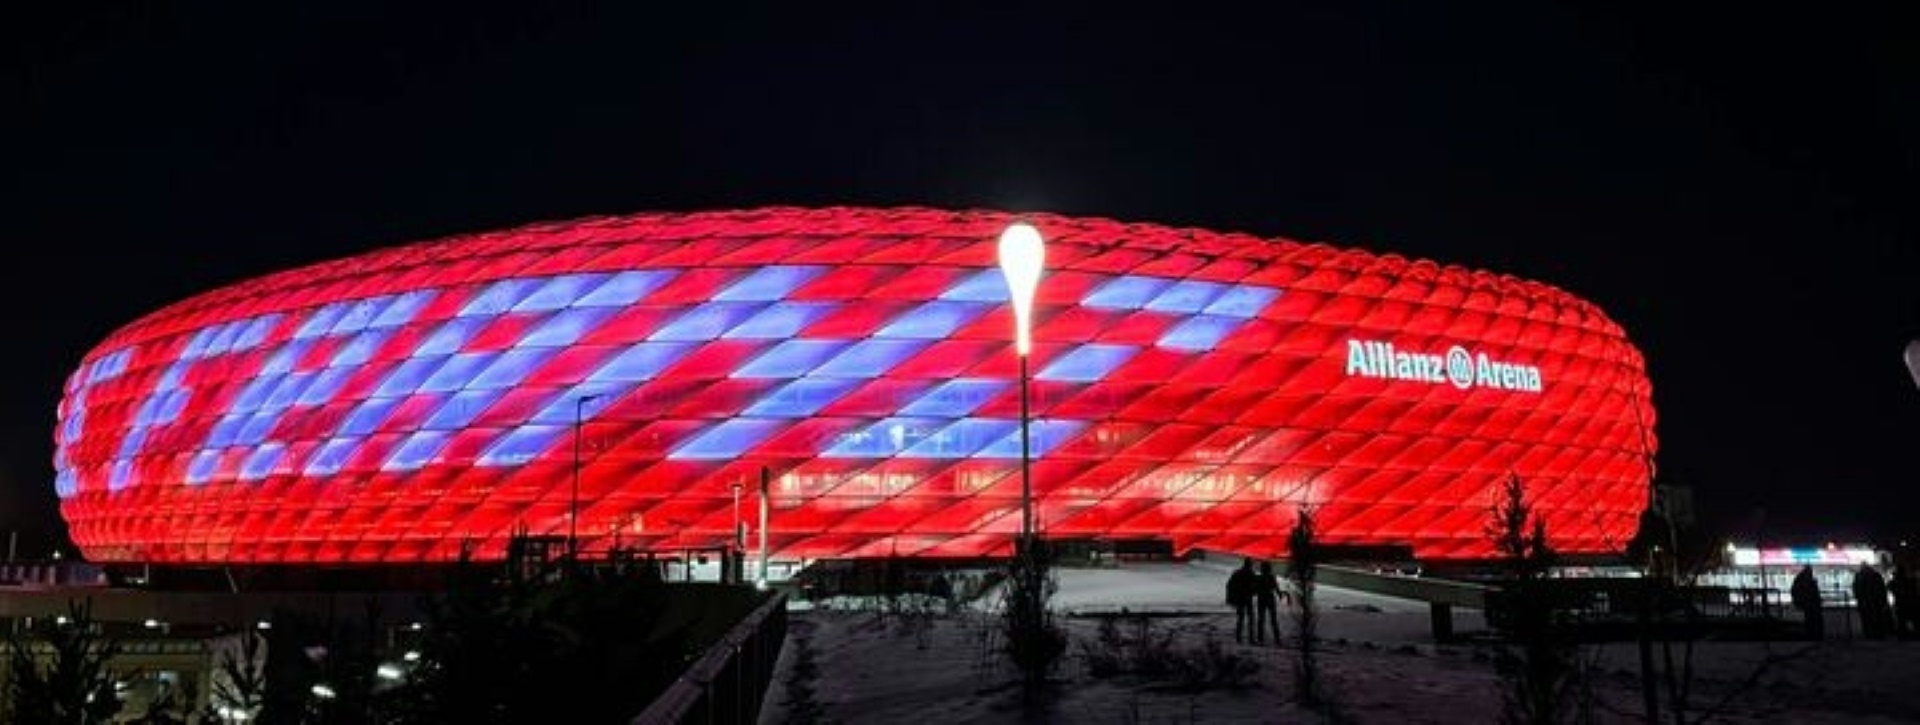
pixel 1023 256
pixel 573 501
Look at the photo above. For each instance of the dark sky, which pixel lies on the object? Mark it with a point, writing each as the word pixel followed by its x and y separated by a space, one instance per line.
pixel 1738 189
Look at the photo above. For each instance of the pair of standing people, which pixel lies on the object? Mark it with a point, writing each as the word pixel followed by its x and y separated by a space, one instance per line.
pixel 1255 597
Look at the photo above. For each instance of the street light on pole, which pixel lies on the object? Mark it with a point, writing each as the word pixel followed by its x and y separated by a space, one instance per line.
pixel 573 501
pixel 1023 256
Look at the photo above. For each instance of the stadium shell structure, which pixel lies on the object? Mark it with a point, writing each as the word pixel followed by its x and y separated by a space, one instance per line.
pixel 630 378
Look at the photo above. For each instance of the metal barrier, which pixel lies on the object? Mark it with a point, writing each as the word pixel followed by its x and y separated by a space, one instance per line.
pixel 727 684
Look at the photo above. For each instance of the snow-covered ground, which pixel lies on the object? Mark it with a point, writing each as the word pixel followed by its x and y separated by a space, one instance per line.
pixel 848 666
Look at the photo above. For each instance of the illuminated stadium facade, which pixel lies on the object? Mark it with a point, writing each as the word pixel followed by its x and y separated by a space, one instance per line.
pixel 1188 386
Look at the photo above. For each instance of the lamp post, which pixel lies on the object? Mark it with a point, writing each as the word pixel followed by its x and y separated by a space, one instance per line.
pixel 1023 256
pixel 573 501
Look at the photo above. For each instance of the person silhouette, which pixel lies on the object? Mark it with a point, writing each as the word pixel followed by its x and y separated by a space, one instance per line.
pixel 1806 598
pixel 1870 598
pixel 1266 597
pixel 1240 596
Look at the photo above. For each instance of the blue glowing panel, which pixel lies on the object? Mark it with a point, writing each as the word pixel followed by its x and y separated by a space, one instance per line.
pixel 197 344
pixel 325 385
pixel 955 398
pixel 884 438
pixel 287 391
pixel 510 368
pixel 780 321
pixel 580 402
pixel 450 336
pixel 1242 301
pixel 321 321
pixel 499 298
pixel 963 438
pixel 705 322
pixel 791 359
pixel 1087 363
pixel 625 288
pixel 256 428
pixel 332 456
pixel 121 475
pixel 261 461
pixel 565 327
pixel 202 467
pixel 987 285
pixel 367 417
pixel 255 394
pixel 256 332
pixel 768 284
pixel 418 450
pixel 1200 332
pixel 403 308
pixel 225 431
pixel 360 349
pixel 222 341
pixel 1126 293
pixel 458 372
pixel 933 320
pixel 461 408
pixel 1187 297
pixel 727 440
pixel 358 315
pixel 560 292
pixel 280 362
pixel 801 398
pixel 641 361
pixel 522 445
pixel 1045 436
pixel 408 375
pixel 870 358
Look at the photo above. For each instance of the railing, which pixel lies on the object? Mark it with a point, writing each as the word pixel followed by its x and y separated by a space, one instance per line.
pixel 727 684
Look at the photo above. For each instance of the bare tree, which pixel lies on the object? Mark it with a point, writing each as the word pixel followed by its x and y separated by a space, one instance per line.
pixel 1302 567
pixel 71 683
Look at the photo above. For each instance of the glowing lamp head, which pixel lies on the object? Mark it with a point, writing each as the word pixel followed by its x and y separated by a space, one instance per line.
pixel 1022 258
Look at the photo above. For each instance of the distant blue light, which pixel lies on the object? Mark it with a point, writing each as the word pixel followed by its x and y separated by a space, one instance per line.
pixel 768 284
pixel 461 408
pixel 560 292
pixel 358 315
pixel 203 466
pixel 360 349
pixel 729 439
pixel 625 288
pixel 511 367
pixel 987 285
pixel 962 438
pixel 281 361
pixel 780 321
pixel 451 336
pixel 320 322
pixel 367 417
pixel 955 398
pixel 790 359
pixel 640 361
pixel 883 438
pixel 522 444
pixel 870 358
pixel 261 461
pixel 403 308
pixel 1200 332
pixel 801 398
pixel 458 371
pixel 499 298
pixel 408 376
pixel 418 450
pixel 1126 293
pixel 936 319
pixel 705 321
pixel 1186 297
pixel 1046 435
pixel 1087 363
pixel 332 456
pixel 1242 301
pixel 565 327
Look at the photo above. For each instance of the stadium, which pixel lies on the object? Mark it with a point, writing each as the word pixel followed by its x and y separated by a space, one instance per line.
pixel 630 380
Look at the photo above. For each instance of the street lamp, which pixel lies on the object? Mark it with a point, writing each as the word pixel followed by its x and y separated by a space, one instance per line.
pixel 573 501
pixel 1022 258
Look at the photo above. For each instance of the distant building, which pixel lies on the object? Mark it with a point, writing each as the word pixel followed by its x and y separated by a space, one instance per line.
pixel 620 376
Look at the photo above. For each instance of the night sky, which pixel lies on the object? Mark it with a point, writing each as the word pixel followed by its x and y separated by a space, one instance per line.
pixel 1738 189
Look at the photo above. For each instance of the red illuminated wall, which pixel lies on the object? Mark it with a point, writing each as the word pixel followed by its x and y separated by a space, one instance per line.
pixel 1188 385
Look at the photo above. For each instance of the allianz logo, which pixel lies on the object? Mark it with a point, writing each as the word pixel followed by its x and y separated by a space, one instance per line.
pixel 1459 367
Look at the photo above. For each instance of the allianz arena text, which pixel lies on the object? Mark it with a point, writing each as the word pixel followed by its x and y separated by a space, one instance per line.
pixel 1187 386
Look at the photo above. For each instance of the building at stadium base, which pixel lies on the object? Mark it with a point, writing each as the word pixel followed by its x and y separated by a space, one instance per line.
pixel 627 380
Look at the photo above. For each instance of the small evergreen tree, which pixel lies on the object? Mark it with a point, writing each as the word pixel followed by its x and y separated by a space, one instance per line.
pixel 73 685
pixel 1034 641
pixel 1539 672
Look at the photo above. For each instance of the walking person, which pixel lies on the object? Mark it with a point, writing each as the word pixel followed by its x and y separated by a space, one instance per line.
pixel 1267 597
pixel 1806 598
pixel 1240 596
pixel 1870 598
pixel 1906 602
